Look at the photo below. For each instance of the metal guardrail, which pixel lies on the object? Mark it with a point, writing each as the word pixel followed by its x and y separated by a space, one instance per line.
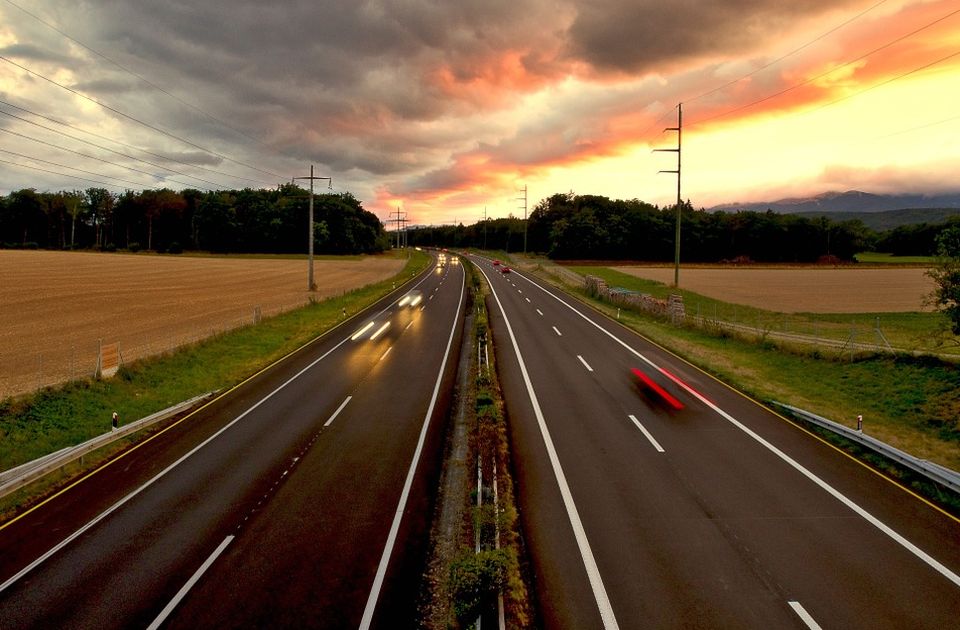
pixel 25 474
pixel 934 472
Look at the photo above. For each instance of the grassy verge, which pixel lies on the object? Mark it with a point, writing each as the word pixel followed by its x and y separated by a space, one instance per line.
pixel 925 332
pixel 912 403
pixel 476 577
pixel 881 258
pixel 55 418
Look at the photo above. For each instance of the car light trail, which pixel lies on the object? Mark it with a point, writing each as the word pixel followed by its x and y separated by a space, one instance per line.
pixel 649 382
pixel 361 332
pixel 379 330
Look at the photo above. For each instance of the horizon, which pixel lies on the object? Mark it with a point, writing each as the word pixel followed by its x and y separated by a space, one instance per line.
pixel 443 112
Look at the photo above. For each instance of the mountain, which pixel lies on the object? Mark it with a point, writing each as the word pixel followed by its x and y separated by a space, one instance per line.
pixel 852 201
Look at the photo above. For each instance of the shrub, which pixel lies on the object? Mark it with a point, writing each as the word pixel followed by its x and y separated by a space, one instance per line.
pixel 134 247
pixel 175 248
pixel 475 580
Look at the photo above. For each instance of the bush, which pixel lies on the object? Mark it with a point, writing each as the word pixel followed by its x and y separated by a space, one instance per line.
pixel 134 247
pixel 475 580
pixel 110 247
pixel 175 248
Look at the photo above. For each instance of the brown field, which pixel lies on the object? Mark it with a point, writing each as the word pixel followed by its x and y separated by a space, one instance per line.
pixel 804 289
pixel 56 305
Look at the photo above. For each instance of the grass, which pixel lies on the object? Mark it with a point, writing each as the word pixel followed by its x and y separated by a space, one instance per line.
pixel 55 418
pixel 881 258
pixel 926 332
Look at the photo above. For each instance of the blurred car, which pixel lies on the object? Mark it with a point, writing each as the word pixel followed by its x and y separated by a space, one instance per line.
pixel 496 263
pixel 411 299
pixel 504 269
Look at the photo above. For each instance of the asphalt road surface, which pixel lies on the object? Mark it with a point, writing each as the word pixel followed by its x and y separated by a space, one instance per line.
pixel 719 514
pixel 299 499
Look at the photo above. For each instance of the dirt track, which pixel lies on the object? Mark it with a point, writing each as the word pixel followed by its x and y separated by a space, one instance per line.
pixel 804 290
pixel 55 306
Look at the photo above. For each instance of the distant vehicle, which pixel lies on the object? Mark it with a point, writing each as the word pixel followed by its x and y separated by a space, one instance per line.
pixel 496 263
pixel 505 269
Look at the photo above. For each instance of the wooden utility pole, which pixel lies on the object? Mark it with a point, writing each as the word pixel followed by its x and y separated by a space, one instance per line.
pixel 311 285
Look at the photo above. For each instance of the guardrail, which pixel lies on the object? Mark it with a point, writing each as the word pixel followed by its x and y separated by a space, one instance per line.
pixel 934 472
pixel 25 474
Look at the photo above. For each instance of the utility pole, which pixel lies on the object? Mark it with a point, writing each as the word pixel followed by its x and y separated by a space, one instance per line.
pixel 524 200
pixel 311 285
pixel 397 222
pixel 676 250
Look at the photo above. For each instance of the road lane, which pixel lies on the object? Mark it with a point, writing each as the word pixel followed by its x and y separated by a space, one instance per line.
pixel 718 530
pixel 125 568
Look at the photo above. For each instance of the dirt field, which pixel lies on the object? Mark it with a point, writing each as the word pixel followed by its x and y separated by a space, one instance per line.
pixel 804 290
pixel 55 306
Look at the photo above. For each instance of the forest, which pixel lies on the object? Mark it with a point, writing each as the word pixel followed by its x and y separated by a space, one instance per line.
pixel 234 221
pixel 590 227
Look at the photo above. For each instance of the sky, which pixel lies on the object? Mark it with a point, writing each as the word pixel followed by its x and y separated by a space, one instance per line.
pixel 449 110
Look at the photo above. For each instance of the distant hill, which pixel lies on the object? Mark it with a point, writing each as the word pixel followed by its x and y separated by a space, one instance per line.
pixel 878 212
pixel 850 201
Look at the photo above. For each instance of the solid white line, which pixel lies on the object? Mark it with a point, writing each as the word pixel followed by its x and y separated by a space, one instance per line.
pixel 839 496
pixel 337 412
pixel 586 553
pixel 405 493
pixel 643 429
pixel 559 334
pixel 804 615
pixel 190 583
pixel 585 364
pixel 116 506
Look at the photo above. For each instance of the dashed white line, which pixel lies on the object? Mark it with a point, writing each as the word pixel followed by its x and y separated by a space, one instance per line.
pixel 804 615
pixel 384 355
pixel 559 334
pixel 539 312
pixel 190 583
pixel 337 412
pixel 643 430
pixel 408 325
pixel 585 364
pixel 527 299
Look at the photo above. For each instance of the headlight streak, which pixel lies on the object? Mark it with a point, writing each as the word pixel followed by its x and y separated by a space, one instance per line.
pixel 379 330
pixel 360 332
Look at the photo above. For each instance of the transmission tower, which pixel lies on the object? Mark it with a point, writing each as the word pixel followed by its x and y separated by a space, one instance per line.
pixel 676 250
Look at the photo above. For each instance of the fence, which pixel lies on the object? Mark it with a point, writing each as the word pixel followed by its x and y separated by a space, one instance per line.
pixel 934 472
pixel 25 371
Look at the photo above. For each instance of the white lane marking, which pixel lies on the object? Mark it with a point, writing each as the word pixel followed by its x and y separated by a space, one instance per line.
pixel 519 290
pixel 190 583
pixel 559 334
pixel 539 312
pixel 116 506
pixel 586 553
pixel 585 364
pixel 384 355
pixel 804 615
pixel 527 299
pixel 650 437
pixel 408 325
pixel 337 412
pixel 839 496
pixel 405 493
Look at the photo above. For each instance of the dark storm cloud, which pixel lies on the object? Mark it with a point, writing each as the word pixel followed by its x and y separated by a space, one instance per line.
pixel 631 36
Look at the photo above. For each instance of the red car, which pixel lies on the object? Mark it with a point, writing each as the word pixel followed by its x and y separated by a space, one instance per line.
pixel 505 269
pixel 496 263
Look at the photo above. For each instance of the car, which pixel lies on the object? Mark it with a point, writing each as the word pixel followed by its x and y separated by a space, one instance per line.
pixel 505 269
pixel 496 263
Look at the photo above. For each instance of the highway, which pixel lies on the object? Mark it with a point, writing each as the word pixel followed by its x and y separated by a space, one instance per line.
pixel 719 514
pixel 302 498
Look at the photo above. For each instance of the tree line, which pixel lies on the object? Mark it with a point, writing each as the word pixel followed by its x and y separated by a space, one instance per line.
pixel 591 227
pixel 224 221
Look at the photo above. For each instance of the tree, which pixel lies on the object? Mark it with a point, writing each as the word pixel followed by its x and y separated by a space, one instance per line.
pixel 946 276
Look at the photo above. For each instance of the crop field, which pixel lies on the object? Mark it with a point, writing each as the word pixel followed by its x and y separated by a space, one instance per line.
pixel 804 289
pixel 56 307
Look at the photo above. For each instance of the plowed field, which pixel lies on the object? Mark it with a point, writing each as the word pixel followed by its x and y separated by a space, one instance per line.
pixel 55 306
pixel 802 289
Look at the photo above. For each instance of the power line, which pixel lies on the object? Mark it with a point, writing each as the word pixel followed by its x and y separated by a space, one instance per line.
pixel 781 58
pixel 828 72
pixel 137 120
pixel 132 73
pixel 121 143
pixel 44 170
pixel 72 168
pixel 92 157
pixel 93 144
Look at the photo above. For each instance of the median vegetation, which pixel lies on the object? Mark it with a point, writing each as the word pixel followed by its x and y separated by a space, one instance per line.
pixel 57 417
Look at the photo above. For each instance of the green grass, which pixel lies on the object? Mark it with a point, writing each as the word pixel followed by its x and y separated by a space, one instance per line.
pixel 58 417
pixel 889 259
pixel 925 332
